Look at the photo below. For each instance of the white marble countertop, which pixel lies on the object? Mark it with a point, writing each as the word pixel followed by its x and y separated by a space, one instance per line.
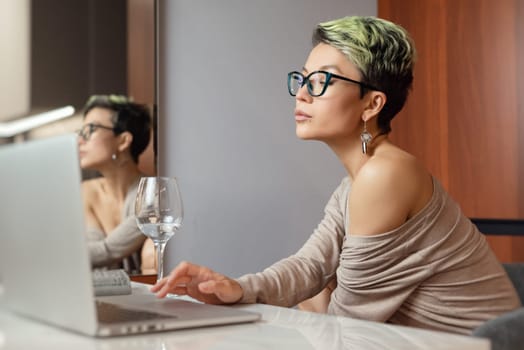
pixel 280 328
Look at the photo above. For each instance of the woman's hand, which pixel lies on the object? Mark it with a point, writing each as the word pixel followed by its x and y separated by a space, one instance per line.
pixel 200 283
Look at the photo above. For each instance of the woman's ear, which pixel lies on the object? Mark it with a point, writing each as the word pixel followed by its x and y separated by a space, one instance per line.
pixel 125 140
pixel 376 102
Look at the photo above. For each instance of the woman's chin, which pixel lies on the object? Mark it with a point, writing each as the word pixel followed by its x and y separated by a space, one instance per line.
pixel 305 130
pixel 87 165
pixel 84 165
pixel 301 134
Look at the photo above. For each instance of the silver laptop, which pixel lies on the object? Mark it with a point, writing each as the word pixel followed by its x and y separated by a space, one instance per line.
pixel 44 264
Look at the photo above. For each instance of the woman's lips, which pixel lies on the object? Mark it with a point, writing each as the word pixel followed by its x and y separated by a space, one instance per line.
pixel 301 116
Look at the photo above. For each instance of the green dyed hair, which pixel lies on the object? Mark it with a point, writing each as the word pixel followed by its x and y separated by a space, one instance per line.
pixel 382 51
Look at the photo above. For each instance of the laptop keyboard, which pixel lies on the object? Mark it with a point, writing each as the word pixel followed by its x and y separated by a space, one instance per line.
pixel 111 313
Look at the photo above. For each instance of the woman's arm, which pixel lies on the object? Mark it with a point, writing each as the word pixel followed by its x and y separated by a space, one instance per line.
pixel 320 302
pixel 285 283
pixel 123 241
pixel 306 273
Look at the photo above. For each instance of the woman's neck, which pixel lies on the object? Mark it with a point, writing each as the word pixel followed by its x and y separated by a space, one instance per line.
pixel 351 156
pixel 118 180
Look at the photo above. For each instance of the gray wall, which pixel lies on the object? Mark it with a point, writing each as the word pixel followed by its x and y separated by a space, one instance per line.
pixel 253 192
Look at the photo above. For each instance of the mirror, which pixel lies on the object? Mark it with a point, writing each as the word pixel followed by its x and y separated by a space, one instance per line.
pixel 74 49
pixel 61 52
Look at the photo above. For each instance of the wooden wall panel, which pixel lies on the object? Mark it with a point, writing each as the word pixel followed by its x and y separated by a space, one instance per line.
pixel 141 67
pixel 519 39
pixel 141 50
pixel 517 243
pixel 469 84
pixel 482 114
pixel 421 127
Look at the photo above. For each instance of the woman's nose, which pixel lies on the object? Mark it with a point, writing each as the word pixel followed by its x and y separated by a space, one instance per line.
pixel 303 94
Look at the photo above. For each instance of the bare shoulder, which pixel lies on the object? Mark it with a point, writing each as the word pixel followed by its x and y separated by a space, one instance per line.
pixel 91 190
pixel 391 187
pixel 91 199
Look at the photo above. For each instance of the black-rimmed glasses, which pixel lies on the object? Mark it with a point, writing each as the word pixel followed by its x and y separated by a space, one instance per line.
pixel 87 130
pixel 317 82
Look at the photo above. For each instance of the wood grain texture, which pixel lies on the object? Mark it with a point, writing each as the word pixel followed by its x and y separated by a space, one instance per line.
pixel 141 50
pixel 141 67
pixel 465 117
pixel 421 127
pixel 519 40
pixel 482 114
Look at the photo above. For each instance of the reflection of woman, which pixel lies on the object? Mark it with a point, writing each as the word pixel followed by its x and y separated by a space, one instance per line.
pixel 399 247
pixel 114 133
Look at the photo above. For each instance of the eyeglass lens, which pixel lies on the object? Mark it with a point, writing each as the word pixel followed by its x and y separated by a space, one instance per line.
pixel 87 130
pixel 316 83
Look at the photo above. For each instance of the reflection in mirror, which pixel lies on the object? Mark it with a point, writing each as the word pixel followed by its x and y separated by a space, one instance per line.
pixel 114 132
pixel 66 51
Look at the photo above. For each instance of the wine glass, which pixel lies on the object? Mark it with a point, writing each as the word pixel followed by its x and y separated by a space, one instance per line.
pixel 159 212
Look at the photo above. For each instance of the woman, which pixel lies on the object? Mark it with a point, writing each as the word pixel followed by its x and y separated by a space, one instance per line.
pixel 397 246
pixel 114 133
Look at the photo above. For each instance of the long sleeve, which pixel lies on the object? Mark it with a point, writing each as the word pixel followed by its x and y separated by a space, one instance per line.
pixel 304 274
pixel 435 271
pixel 120 243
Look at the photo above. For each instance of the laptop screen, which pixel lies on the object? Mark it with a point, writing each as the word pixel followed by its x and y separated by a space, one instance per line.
pixel 44 264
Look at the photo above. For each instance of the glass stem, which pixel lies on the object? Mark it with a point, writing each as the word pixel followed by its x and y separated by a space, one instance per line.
pixel 160 247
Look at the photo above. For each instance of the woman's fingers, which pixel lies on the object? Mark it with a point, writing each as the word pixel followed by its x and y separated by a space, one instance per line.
pixel 158 285
pixel 226 290
pixel 185 273
pixel 200 283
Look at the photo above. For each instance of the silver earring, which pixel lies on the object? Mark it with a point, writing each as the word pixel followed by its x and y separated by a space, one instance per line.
pixel 113 156
pixel 365 137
